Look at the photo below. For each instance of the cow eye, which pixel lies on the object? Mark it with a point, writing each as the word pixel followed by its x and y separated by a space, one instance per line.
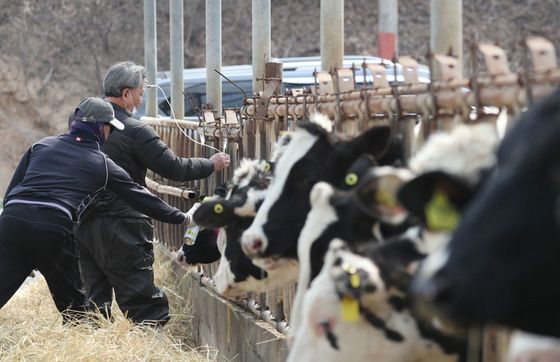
pixel 351 179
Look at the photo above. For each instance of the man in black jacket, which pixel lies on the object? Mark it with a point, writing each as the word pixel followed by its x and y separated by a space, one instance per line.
pixel 115 240
pixel 54 183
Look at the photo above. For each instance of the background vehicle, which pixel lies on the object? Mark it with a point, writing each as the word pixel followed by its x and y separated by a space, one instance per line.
pixel 297 73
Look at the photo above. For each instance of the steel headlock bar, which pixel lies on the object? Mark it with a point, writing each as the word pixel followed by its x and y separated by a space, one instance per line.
pixel 497 87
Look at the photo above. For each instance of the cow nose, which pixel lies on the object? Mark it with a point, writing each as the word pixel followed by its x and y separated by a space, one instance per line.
pixel 253 245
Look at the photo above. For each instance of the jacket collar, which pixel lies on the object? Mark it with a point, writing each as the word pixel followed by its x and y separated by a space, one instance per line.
pixel 120 113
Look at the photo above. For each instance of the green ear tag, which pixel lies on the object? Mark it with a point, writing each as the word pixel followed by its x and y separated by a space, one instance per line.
pixel 218 208
pixel 351 179
pixel 440 213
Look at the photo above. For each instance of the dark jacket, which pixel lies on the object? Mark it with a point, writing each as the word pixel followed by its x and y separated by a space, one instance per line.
pixel 138 148
pixel 70 171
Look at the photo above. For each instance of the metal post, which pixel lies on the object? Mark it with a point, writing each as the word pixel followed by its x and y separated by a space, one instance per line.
pixel 260 30
pixel 332 34
pixel 214 54
pixel 150 55
pixel 387 39
pixel 446 22
pixel 177 58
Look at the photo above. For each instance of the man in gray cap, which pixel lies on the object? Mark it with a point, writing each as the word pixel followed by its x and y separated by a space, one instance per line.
pixel 115 241
pixel 55 181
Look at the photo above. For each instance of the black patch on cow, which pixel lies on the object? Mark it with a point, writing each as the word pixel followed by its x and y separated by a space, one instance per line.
pixel 331 337
pixel 398 303
pixel 241 266
pixel 449 344
pixel 393 258
pixel 352 226
pixel 415 194
pixel 379 323
pixel 207 217
pixel 204 250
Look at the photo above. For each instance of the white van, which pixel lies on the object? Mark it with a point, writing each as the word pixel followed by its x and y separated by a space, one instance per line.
pixel 297 73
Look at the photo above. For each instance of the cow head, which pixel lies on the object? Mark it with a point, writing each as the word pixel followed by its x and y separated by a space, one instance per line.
pixel 310 157
pixel 503 257
pixel 353 215
pixel 234 214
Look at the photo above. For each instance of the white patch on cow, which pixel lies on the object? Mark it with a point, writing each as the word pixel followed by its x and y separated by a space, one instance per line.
pixel 249 208
pixel 223 277
pixel 463 152
pixel 280 146
pixel 321 215
pixel 323 121
pixel 285 272
pixel 247 171
pixel 302 141
pixel 430 266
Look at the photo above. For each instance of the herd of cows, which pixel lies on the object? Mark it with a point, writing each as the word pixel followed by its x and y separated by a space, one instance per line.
pixel 395 263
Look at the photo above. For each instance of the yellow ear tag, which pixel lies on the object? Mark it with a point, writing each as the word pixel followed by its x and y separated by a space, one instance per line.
pixel 355 280
pixel 266 167
pixel 350 309
pixel 441 214
pixel 218 208
pixel 351 179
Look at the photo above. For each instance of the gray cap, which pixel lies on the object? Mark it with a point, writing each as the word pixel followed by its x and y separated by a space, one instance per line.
pixel 95 109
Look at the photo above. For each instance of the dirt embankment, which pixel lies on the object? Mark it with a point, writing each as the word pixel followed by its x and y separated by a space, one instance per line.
pixel 55 52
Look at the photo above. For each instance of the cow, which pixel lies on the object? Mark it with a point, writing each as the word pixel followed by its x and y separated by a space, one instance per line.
pixel 356 309
pixel 340 214
pixel 236 273
pixel 313 155
pixel 503 257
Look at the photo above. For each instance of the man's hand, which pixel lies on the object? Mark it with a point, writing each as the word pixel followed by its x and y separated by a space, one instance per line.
pixel 220 161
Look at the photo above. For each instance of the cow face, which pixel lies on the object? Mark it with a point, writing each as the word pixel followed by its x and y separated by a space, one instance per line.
pixel 234 214
pixel 351 215
pixel 503 257
pixel 310 157
pixel 203 251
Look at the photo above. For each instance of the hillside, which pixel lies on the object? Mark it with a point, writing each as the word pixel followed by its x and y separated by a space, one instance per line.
pixel 54 52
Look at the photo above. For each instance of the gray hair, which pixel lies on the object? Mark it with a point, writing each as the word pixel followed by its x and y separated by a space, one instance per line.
pixel 121 76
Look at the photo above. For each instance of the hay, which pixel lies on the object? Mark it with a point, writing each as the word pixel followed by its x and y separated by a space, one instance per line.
pixel 32 330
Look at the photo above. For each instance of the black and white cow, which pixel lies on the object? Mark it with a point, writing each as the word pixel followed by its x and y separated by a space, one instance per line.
pixel 359 215
pixel 313 155
pixel 503 257
pixel 357 309
pixel 236 273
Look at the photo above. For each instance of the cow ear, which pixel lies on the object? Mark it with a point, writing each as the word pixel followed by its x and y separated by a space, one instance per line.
pixel 214 213
pixel 436 198
pixel 378 193
pixel 374 141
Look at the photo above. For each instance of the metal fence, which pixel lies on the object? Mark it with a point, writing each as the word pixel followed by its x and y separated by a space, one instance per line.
pixel 413 109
